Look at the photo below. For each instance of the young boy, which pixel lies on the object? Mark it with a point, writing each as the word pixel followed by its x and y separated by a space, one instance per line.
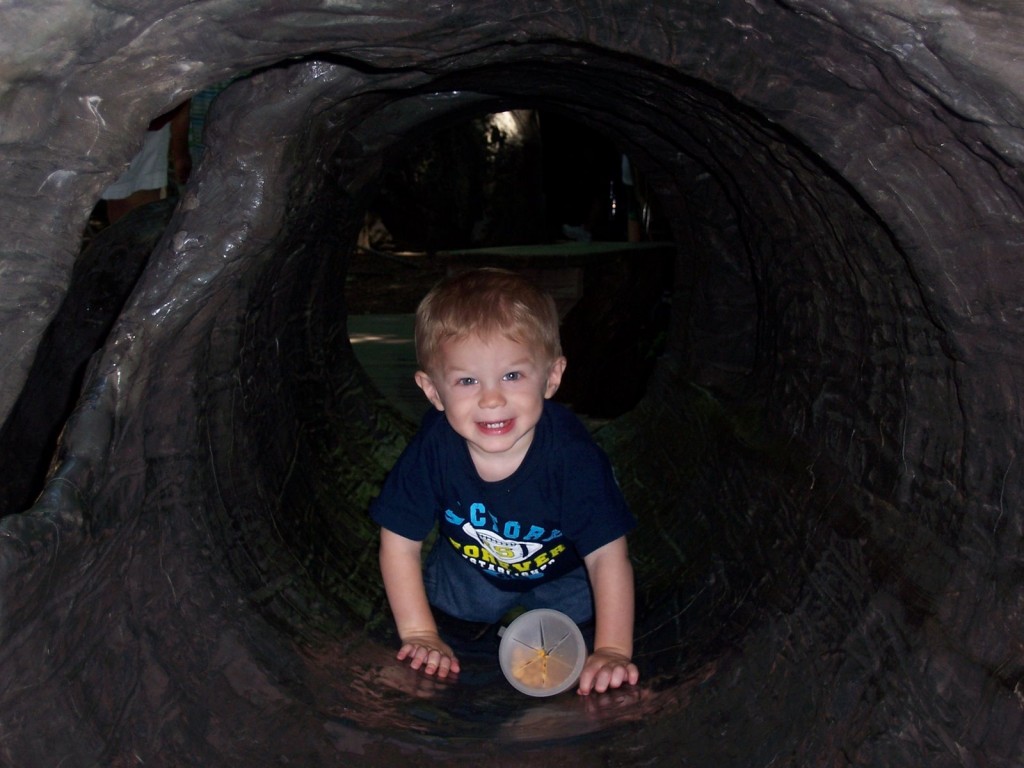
pixel 529 512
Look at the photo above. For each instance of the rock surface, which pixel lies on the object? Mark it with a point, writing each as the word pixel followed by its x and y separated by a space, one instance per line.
pixel 826 465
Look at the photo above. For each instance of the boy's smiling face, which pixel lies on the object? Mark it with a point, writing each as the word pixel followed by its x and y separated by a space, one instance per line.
pixel 492 392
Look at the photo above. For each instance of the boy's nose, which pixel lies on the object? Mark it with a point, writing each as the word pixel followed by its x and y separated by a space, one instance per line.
pixel 491 397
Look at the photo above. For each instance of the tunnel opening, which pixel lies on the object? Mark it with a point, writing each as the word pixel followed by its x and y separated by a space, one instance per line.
pixel 550 198
pixel 738 516
pixel 767 460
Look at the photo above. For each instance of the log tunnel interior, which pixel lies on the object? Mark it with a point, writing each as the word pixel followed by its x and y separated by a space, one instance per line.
pixel 812 463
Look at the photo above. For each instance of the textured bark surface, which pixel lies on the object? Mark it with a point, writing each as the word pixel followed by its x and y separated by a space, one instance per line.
pixel 826 465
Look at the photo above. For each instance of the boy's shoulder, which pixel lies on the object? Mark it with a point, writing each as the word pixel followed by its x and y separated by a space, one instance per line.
pixel 432 418
pixel 566 426
pixel 434 432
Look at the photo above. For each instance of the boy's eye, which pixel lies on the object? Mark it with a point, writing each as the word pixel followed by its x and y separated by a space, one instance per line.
pixel 513 376
pixel 465 381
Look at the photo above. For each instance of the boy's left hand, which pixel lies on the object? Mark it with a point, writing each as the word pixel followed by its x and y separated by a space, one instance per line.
pixel 606 668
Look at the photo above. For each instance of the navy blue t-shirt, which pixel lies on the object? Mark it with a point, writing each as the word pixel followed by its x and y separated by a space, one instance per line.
pixel 498 540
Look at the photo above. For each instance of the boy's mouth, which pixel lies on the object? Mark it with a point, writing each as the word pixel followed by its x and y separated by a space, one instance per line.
pixel 496 427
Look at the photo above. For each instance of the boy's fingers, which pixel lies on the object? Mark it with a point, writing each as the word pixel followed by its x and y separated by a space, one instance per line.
pixel 404 652
pixel 606 677
pixel 416 657
pixel 432 660
pixel 586 680
pixel 444 666
pixel 416 654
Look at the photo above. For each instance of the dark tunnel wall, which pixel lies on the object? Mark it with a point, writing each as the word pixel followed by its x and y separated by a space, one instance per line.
pixel 825 465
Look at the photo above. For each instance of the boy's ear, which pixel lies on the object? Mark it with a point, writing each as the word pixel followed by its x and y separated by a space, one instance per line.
pixel 555 376
pixel 424 382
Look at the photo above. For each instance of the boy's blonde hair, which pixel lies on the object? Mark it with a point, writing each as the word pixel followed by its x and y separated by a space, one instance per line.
pixel 484 302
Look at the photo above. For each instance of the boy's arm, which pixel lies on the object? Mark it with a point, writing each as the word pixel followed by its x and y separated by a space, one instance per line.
pixel 402 572
pixel 611 577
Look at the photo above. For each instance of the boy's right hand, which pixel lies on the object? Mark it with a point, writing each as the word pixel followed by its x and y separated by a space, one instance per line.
pixel 429 652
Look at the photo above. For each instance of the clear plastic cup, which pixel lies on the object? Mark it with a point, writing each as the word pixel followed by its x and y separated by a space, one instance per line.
pixel 542 652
